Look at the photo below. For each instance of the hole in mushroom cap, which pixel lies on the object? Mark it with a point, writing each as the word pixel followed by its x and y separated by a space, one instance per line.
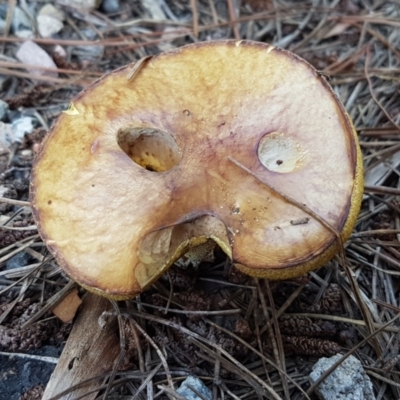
pixel 150 148
pixel 280 153
pixel 160 248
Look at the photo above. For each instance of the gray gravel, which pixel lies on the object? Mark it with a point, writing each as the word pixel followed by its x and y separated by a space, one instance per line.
pixel 348 382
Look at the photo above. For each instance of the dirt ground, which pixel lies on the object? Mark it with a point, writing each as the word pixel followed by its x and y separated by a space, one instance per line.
pixel 244 338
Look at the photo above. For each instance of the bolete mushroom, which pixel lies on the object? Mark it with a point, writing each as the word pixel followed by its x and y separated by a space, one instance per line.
pixel 234 142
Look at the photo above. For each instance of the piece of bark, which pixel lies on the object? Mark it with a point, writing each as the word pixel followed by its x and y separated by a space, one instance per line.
pixel 67 308
pixel 91 350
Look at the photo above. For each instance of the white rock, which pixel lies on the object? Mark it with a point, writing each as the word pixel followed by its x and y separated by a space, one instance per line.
pixel 60 51
pixel 32 54
pixel 48 26
pixel 51 11
pixel 6 136
pixel 154 9
pixel 25 34
pixel 26 153
pixel 348 382
pixel 49 20
pixel 198 385
pixel 20 127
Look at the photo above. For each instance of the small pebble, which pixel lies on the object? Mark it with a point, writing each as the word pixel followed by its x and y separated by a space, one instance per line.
pixel 59 51
pixel 26 154
pixel 19 260
pixel 89 33
pixel 110 6
pixel 49 20
pixel 48 26
pixel 154 8
pixel 198 385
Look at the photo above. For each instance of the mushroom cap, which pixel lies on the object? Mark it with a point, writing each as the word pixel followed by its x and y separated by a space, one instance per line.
pixel 233 141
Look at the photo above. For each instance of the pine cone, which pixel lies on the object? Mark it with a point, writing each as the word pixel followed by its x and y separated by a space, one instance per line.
pixel 232 346
pixel 36 136
pixel 29 97
pixel 332 300
pixel 10 237
pixel 179 277
pixel 32 309
pixel 61 62
pixel 195 300
pixel 304 346
pixel 242 329
pixel 10 193
pixel 34 393
pixel 197 326
pixel 18 310
pixel 331 303
pixel 302 326
pixel 15 338
pixel 18 339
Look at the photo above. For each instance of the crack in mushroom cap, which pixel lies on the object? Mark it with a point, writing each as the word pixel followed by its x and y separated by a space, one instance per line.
pixel 138 172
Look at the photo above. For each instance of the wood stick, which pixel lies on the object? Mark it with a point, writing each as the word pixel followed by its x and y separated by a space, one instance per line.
pixel 90 351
